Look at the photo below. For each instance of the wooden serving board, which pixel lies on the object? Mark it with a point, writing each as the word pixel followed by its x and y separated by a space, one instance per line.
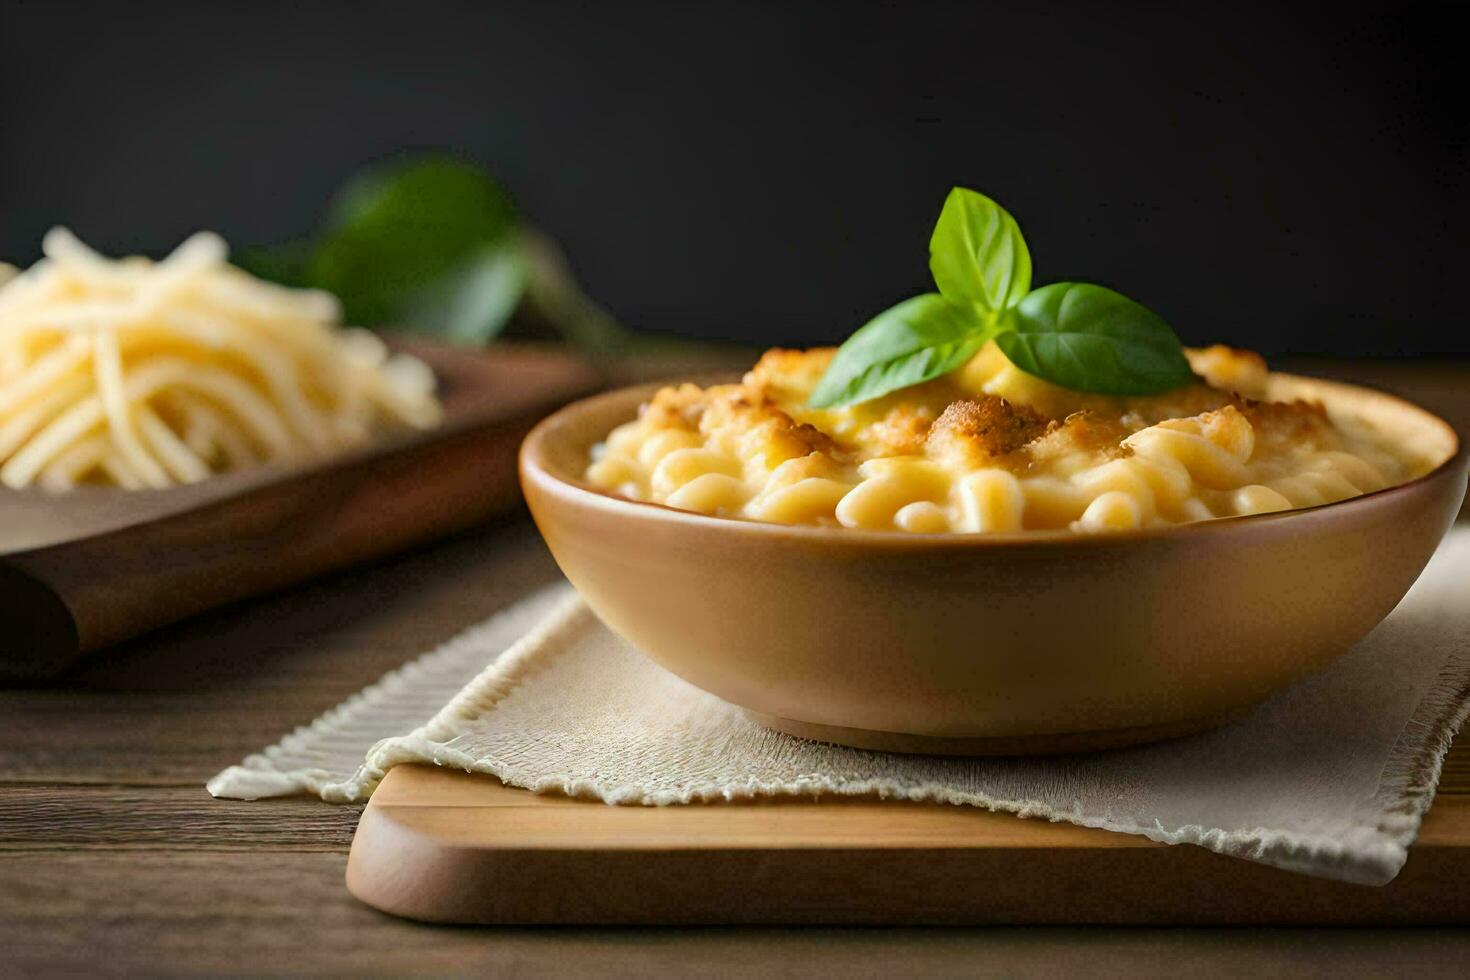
pixel 84 570
pixel 445 846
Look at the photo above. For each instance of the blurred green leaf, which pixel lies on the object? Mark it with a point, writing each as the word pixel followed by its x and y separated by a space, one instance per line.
pixel 434 245
pixel 472 301
pixel 285 264
pixel 429 245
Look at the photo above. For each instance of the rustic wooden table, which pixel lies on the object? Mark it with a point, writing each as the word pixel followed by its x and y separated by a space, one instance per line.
pixel 114 859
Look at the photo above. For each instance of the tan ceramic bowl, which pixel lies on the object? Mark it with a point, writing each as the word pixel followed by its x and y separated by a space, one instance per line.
pixel 995 644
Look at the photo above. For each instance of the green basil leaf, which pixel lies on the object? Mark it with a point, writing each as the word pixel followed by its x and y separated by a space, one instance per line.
pixel 469 302
pixel 1090 338
pixel 919 339
pixel 425 245
pixel 284 264
pixel 977 254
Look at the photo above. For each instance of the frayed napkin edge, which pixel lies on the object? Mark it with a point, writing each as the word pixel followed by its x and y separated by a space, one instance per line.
pixel 1368 854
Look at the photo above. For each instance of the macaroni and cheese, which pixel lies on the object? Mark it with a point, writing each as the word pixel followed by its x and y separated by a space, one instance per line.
pixel 989 448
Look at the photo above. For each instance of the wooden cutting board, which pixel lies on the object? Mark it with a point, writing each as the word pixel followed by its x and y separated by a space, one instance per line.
pixel 446 846
pixel 84 570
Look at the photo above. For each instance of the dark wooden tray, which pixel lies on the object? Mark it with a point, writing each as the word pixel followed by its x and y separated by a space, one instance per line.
pixel 81 571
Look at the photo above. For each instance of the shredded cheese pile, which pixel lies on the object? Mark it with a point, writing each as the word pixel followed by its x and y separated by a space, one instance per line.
pixel 144 375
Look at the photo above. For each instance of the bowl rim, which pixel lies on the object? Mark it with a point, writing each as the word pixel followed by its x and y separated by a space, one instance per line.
pixel 532 466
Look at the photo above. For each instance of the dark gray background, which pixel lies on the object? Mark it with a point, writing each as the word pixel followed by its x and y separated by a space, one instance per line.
pixel 1286 177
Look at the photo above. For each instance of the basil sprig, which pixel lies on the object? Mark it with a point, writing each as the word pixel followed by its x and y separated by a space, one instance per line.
pixel 434 245
pixel 1090 338
pixel 1074 334
pixel 977 254
pixel 919 339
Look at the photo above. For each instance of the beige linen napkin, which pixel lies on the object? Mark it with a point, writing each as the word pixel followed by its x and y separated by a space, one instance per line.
pixel 1329 778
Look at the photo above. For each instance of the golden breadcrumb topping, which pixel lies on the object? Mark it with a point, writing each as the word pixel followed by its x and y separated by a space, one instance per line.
pixel 986 448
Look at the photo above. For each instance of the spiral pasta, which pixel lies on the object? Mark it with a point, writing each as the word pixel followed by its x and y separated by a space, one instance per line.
pixel 988 449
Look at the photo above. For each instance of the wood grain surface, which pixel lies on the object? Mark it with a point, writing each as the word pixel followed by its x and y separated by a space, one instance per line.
pixel 113 859
pixel 84 570
pixel 444 846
